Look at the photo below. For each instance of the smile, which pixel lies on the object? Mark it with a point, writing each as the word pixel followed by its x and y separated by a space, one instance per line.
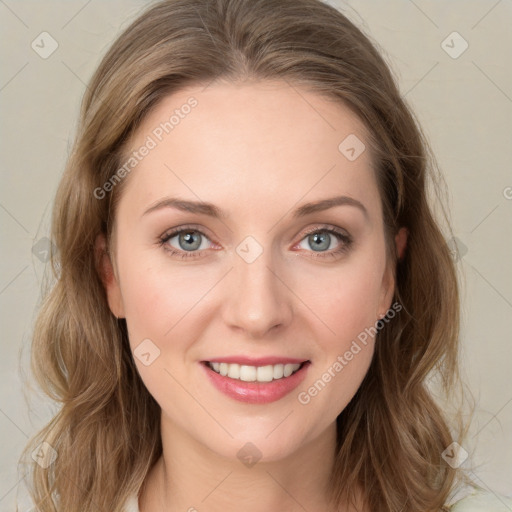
pixel 247 373
pixel 255 384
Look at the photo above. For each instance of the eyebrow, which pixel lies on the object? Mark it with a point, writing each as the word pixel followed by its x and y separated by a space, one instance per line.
pixel 211 210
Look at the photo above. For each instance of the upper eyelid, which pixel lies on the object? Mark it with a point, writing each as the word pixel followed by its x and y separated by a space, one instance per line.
pixel 328 227
pixel 176 231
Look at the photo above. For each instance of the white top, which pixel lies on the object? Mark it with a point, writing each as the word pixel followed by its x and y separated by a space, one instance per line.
pixel 477 501
pixel 132 505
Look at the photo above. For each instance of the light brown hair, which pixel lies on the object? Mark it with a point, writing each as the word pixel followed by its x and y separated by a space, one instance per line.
pixel 107 430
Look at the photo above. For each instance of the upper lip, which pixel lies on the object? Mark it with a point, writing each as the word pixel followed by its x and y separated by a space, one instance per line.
pixel 256 361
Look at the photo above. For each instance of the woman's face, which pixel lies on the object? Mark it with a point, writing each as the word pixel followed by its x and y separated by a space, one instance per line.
pixel 282 259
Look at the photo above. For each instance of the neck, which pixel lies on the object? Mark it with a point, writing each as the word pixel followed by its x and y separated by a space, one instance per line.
pixel 191 477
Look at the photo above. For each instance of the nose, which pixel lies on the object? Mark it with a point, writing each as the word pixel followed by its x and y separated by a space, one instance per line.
pixel 257 298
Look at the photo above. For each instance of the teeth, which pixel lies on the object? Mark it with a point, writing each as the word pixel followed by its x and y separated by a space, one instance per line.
pixel 234 371
pixel 264 373
pixel 289 369
pixel 278 371
pixel 248 373
pixel 254 373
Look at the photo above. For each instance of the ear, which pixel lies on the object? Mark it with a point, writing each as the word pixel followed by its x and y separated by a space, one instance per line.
pixel 401 242
pixel 388 281
pixel 108 277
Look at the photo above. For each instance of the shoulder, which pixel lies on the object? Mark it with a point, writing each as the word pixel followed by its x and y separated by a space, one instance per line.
pixel 482 501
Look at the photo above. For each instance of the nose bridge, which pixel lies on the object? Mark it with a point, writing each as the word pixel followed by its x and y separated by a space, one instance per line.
pixel 256 300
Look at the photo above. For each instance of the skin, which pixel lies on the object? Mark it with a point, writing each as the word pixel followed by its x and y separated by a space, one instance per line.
pixel 258 151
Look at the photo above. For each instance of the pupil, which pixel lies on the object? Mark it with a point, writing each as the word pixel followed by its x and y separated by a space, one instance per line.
pixel 191 241
pixel 320 241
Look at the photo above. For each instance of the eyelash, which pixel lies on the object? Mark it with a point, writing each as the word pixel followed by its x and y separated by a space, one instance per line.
pixel 346 242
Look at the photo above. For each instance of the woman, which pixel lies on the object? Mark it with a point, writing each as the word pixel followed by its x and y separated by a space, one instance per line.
pixel 251 288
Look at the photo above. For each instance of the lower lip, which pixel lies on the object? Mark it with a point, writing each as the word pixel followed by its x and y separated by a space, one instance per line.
pixel 256 392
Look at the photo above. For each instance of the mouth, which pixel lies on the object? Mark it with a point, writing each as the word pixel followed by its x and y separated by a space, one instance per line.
pixel 248 373
pixel 251 384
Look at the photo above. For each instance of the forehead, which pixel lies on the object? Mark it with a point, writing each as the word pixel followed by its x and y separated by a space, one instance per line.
pixel 250 144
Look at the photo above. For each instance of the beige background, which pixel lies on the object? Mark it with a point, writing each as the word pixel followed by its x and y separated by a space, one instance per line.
pixel 464 103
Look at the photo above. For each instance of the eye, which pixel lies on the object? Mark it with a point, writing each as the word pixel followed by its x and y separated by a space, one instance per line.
pixel 185 242
pixel 189 242
pixel 326 241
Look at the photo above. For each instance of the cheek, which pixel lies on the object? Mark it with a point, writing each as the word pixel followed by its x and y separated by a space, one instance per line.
pixel 346 299
pixel 159 301
pixel 153 303
pixel 347 305
pixel 165 308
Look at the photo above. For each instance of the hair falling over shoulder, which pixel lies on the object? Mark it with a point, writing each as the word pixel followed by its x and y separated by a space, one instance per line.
pixel 106 433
